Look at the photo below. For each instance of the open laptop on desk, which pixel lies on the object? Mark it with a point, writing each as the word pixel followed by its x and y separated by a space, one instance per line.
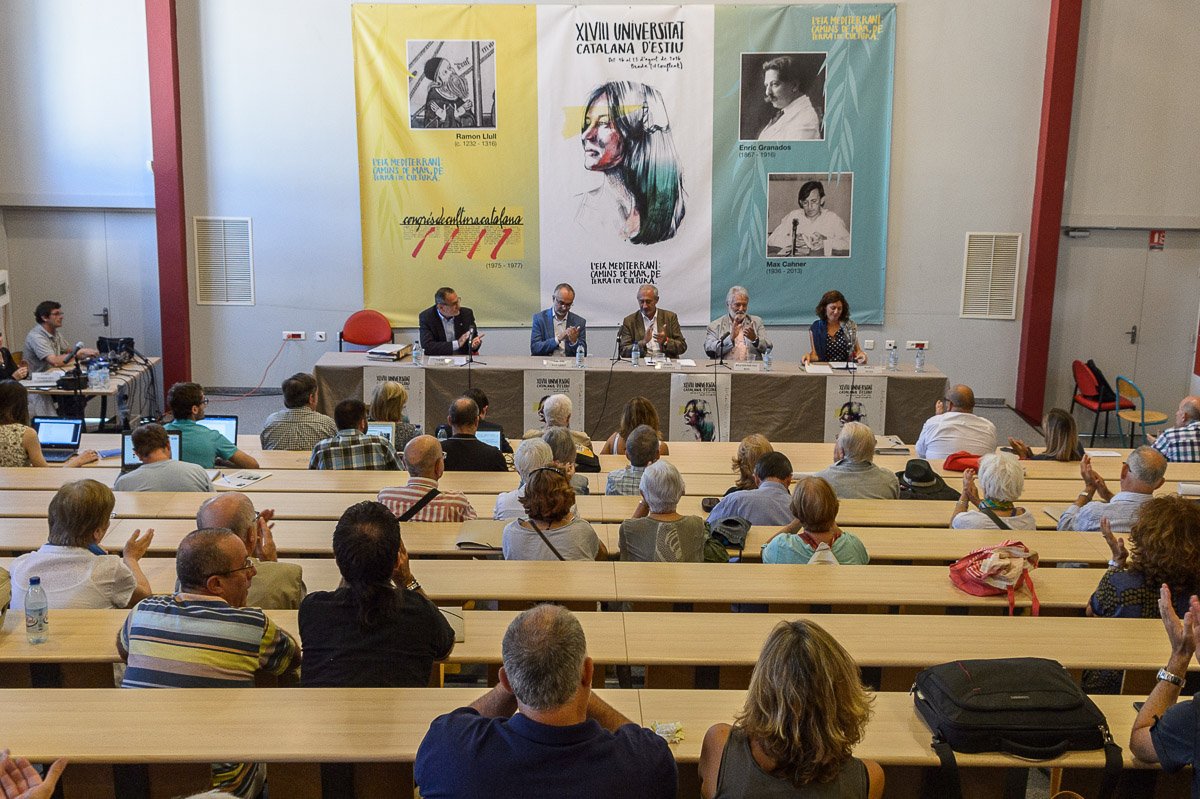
pixel 489 437
pixel 129 458
pixel 59 437
pixel 225 425
pixel 385 429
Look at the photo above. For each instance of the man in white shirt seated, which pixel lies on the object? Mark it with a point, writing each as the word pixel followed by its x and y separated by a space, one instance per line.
pixel 954 427
pixel 158 472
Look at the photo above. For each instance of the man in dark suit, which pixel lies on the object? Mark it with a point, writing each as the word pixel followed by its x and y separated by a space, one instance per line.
pixel 465 452
pixel 557 331
pixel 447 328
pixel 656 330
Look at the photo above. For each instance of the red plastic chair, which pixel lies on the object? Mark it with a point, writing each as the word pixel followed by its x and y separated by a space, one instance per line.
pixel 365 328
pixel 1087 394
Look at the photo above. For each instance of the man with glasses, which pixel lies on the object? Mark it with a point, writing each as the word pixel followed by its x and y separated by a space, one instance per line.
pixel 1141 474
pixel 276 586
pixel 556 330
pixel 447 328
pixel 201 445
pixel 45 348
pixel 205 637
pixel 954 427
pixel 421 500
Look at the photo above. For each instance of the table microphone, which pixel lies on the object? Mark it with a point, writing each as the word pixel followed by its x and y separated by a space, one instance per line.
pixel 74 351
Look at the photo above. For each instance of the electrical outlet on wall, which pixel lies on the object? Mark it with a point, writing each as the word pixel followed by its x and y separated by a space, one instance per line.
pixel 293 335
pixel 319 335
pixel 868 344
pixel 890 344
pixel 912 345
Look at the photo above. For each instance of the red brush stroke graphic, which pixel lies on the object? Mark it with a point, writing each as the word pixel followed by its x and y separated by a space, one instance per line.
pixel 421 243
pixel 495 250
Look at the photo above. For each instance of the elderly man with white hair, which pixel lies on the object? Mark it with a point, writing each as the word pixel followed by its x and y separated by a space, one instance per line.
pixel 1002 480
pixel 557 410
pixel 737 336
pixel 532 454
pixel 657 532
pixel 1141 474
pixel 853 475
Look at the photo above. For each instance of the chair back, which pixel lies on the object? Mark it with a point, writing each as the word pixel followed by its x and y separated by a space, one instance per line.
pixel 367 328
pixel 1085 380
pixel 1127 390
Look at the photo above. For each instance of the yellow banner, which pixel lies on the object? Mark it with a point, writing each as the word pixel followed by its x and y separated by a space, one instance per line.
pixel 448 161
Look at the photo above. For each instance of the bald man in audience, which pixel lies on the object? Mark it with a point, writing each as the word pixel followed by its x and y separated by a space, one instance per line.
pixel 542 732
pixel 954 427
pixel 1141 474
pixel 465 452
pixel 423 459
pixel 276 586
pixel 853 475
pixel 1181 443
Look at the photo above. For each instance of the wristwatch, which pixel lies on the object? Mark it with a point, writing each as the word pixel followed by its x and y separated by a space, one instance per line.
pixel 1174 679
pixel 413 585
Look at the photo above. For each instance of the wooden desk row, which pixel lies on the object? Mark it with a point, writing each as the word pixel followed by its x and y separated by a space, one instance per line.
pixel 710 639
pixel 301 538
pixel 594 508
pixel 925 587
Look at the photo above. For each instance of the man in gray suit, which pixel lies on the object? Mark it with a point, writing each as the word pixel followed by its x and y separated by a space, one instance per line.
pixel 738 336
pixel 276 586
pixel 655 329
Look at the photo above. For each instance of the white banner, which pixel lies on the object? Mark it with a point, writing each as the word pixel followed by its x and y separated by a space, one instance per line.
pixel 541 383
pixel 857 398
pixel 699 407
pixel 409 376
pixel 625 158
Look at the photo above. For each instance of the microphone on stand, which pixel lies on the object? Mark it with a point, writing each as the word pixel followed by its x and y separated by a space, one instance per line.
pixel 74 351
pixel 795 224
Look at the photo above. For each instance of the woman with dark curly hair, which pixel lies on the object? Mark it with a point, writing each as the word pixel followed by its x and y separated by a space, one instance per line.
pixel 833 337
pixel 1165 541
pixel 638 411
pixel 551 531
pixel 805 712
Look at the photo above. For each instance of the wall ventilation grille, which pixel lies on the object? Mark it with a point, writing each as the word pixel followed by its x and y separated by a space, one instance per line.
pixel 224 261
pixel 990 276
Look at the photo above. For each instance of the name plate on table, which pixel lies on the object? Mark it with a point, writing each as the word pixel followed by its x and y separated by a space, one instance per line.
pixel 747 366
pixel 557 363
pixel 445 360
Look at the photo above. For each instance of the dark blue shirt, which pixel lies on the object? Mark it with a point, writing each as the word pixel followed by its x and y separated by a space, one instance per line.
pixel 1174 739
pixel 467 755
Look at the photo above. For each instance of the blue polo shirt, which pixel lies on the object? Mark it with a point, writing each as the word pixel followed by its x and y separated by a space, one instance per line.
pixel 201 445
pixel 467 755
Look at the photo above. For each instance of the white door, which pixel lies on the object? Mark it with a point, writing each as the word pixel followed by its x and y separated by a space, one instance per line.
pixel 101 265
pixel 1110 283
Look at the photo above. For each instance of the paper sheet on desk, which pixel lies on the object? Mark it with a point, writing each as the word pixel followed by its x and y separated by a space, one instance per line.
pixel 1103 453
pixel 241 479
pixel 818 369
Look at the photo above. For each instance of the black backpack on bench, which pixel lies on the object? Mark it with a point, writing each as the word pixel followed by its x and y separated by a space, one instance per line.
pixel 1028 707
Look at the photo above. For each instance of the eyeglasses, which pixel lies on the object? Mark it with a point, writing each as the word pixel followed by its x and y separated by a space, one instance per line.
pixel 248 564
pixel 204 401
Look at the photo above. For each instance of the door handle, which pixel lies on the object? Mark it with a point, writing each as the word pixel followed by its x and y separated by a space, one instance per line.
pixel 104 315
pixel 1132 333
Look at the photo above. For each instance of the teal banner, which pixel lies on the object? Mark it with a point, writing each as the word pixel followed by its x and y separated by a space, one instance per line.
pixel 802 112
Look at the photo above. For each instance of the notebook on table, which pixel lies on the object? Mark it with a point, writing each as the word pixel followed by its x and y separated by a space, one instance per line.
pixel 59 437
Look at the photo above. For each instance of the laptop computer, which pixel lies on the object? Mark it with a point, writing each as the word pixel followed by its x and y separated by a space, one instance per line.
pixel 489 437
pixel 225 425
pixel 129 458
pixel 385 429
pixel 59 437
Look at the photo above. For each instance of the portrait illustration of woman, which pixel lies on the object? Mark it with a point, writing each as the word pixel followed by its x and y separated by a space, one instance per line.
pixel 626 135
pixel 695 416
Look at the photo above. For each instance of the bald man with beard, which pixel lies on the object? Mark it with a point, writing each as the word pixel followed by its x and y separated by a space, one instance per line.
pixel 954 427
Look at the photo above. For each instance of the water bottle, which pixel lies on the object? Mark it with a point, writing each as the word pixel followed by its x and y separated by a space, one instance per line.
pixel 893 362
pixel 442 433
pixel 37 612
pixel 580 355
pixel 767 360
pixel 418 354
pixel 920 364
pixel 104 373
pixel 635 355
pixel 93 375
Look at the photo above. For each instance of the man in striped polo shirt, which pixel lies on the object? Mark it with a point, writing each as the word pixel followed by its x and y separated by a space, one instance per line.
pixel 202 637
pixel 424 460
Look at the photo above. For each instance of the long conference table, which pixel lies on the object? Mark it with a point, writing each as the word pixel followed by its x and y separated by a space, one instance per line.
pixel 785 404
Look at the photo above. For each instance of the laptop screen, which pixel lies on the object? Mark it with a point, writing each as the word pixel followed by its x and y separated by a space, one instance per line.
pixel 225 425
pixel 130 458
pixel 385 429
pixel 54 432
pixel 489 437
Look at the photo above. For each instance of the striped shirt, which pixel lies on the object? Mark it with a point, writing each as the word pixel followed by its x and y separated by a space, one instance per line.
pixel 350 449
pixel 625 482
pixel 447 506
pixel 296 429
pixel 199 641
